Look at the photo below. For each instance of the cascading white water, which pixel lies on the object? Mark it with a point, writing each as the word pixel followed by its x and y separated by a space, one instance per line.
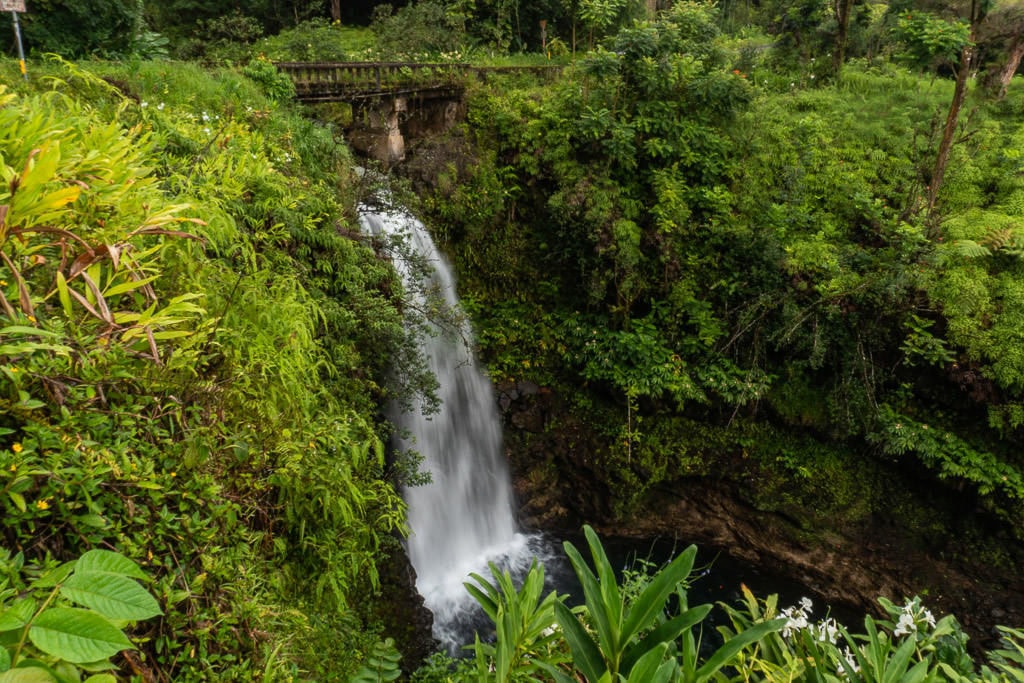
pixel 465 517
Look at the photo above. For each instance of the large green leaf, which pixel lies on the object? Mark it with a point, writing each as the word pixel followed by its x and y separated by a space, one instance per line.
pixel 897 666
pixel 585 653
pixel 646 608
pixel 112 595
pixel 611 598
pixel 28 674
pixel 107 562
pixel 725 654
pixel 594 598
pixel 77 635
pixel 651 668
pixel 665 633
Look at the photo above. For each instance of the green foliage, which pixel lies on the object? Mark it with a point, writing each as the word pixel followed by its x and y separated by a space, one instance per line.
pixel 381 664
pixel 277 86
pixel 195 398
pixel 619 635
pixel 318 40
pixel 666 239
pixel 46 638
pixel 930 40
pixel 628 630
pixel 78 29
pixel 524 623
pixel 420 27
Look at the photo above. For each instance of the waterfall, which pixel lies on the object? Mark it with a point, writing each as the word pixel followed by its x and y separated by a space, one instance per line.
pixel 465 517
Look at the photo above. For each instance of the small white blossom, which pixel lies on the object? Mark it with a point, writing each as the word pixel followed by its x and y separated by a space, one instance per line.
pixel 850 659
pixel 905 626
pixel 160 106
pixel 827 631
pixel 796 617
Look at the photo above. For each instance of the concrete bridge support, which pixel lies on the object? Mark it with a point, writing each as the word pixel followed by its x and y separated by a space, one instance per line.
pixel 381 126
pixel 377 131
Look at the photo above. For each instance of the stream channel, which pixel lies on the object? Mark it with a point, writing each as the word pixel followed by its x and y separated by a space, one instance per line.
pixel 466 517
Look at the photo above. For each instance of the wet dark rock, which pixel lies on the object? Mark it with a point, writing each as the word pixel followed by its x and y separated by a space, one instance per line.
pixel 402 611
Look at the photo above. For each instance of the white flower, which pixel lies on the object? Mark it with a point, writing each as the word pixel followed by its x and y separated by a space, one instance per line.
pixel 797 622
pixel 805 604
pixel 144 105
pixel 206 130
pixel 850 659
pixel 905 626
pixel 796 618
pixel 160 106
pixel 205 117
pixel 828 631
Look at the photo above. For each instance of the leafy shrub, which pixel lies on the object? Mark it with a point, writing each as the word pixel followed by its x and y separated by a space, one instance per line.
pixel 77 29
pixel 318 40
pixel 46 639
pixel 185 406
pixel 424 26
pixel 277 86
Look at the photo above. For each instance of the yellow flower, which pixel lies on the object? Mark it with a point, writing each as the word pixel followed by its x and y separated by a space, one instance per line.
pixel 14 468
pixel 174 474
pixel 17 448
pixel 32 319
pixel 42 504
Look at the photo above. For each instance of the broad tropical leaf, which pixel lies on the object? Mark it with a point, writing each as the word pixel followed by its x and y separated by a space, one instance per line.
pixel 107 562
pixel 77 635
pixel 112 595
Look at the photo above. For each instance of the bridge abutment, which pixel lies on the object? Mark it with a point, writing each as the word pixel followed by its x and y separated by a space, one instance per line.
pixel 377 131
pixel 381 126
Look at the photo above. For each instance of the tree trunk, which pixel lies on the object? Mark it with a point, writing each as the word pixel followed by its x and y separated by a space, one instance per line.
pixel 949 132
pixel 1011 65
pixel 843 9
pixel 336 10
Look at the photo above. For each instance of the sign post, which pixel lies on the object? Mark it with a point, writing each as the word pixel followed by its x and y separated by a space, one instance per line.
pixel 15 6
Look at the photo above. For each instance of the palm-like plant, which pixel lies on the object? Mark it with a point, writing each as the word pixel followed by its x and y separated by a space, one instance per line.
pixel 632 638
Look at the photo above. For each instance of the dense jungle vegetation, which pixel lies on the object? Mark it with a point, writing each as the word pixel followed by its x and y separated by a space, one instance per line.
pixel 776 244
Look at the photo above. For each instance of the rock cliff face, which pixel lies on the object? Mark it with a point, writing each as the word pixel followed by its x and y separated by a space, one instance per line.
pixel 402 612
pixel 559 488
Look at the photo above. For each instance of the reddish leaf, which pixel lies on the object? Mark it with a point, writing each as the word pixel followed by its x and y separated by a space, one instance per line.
pixel 100 301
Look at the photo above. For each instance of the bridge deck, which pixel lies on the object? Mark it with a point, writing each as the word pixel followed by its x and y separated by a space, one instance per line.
pixel 353 81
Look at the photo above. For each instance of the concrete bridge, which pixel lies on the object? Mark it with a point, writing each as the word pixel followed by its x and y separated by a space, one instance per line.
pixel 391 100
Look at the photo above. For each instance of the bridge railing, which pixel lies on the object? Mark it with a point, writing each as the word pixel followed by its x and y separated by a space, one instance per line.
pixel 368 78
